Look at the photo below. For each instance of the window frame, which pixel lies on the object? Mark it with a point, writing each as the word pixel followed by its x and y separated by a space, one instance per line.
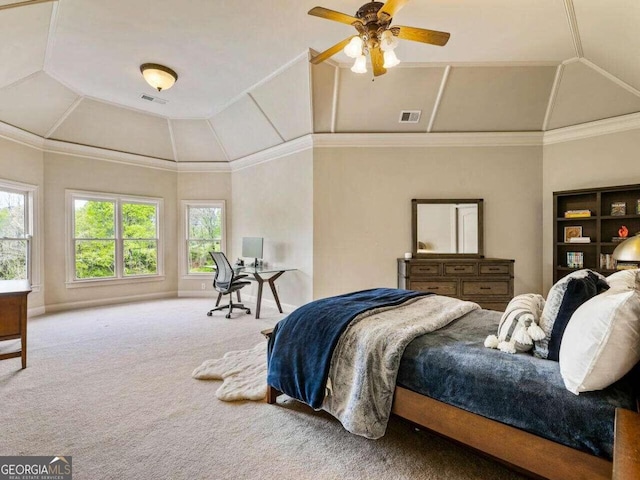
pixel 120 277
pixel 184 241
pixel 32 236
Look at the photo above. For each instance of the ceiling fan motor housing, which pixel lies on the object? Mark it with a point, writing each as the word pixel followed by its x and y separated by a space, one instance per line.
pixel 369 12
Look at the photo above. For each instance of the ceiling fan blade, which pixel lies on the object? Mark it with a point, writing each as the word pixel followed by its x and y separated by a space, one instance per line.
pixel 377 60
pixel 330 52
pixel 24 4
pixel 333 15
pixel 432 37
pixel 391 8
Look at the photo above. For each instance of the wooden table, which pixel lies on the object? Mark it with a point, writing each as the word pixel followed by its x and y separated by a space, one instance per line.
pixel 257 273
pixel 13 316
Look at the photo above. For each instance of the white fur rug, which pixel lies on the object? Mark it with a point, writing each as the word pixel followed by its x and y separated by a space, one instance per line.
pixel 244 374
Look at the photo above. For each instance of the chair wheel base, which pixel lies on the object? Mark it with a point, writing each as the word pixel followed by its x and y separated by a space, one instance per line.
pixel 248 311
pixel 209 314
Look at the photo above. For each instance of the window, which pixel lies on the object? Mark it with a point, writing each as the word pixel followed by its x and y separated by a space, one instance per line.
pixel 114 237
pixel 204 223
pixel 16 230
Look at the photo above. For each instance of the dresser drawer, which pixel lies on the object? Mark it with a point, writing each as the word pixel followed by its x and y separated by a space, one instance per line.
pixel 432 269
pixel 10 316
pixel 495 270
pixel 441 288
pixel 485 288
pixel 461 269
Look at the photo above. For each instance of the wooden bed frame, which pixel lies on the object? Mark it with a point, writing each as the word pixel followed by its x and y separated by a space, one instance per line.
pixel 513 446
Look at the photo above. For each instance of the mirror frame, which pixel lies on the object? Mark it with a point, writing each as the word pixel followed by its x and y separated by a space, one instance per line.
pixel 414 227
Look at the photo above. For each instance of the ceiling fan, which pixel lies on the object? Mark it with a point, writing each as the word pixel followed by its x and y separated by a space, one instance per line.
pixel 375 35
pixel 23 4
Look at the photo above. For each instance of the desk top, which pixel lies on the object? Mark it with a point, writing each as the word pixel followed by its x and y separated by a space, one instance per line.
pixel 10 287
pixel 268 269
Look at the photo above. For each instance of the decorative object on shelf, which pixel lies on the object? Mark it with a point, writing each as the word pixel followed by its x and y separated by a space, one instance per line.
pixel 637 207
pixel 580 240
pixel 158 76
pixel 577 214
pixel 623 231
pixel 575 259
pixel 618 209
pixel 572 232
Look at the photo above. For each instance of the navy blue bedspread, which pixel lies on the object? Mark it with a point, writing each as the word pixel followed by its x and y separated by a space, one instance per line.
pixel 302 373
pixel 453 366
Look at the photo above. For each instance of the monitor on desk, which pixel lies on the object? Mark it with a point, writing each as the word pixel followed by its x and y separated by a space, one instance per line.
pixel 252 247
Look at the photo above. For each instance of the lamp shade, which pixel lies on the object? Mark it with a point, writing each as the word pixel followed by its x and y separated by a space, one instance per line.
pixel 628 251
pixel 158 76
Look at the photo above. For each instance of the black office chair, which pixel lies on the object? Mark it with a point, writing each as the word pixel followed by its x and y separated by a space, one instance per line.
pixel 226 282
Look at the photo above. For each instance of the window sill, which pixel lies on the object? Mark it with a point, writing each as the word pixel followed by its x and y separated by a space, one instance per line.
pixel 114 281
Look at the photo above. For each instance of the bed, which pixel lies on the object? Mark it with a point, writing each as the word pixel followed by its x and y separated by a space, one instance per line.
pixel 514 408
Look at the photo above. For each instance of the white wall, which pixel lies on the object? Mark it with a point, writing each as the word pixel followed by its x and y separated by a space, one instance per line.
pixel 201 186
pixel 23 164
pixel 63 172
pixel 362 208
pixel 274 200
pixel 605 160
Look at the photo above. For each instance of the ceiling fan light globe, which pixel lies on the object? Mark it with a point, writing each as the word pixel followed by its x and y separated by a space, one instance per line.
pixel 354 48
pixel 390 59
pixel 360 65
pixel 388 41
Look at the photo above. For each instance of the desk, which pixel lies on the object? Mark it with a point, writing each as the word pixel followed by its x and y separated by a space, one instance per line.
pixel 13 316
pixel 257 273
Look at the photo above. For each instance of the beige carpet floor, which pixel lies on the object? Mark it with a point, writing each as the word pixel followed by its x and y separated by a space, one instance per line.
pixel 112 387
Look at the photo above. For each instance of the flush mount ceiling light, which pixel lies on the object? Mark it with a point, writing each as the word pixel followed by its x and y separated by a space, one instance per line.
pixel 376 37
pixel 158 76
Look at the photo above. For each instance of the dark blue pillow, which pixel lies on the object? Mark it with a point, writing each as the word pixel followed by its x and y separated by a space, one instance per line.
pixel 579 290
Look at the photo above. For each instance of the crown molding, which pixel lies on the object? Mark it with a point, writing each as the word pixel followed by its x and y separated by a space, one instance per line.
pixel 284 149
pixel 96 153
pixel 15 134
pixel 203 167
pixel 395 140
pixel 593 129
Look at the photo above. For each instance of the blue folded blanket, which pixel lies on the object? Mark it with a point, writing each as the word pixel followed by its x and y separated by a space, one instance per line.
pixel 301 347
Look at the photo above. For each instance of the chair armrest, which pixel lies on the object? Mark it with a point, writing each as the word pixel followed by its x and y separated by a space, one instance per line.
pixel 238 277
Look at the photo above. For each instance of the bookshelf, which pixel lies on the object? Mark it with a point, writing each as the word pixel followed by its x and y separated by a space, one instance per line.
pixel 601 226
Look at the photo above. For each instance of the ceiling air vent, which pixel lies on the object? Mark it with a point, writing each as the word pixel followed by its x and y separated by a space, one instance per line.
pixel 149 98
pixel 410 116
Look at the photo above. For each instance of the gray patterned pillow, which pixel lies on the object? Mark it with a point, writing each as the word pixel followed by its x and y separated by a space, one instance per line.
pixel 551 308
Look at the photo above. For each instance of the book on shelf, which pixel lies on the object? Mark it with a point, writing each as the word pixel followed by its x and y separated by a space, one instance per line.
pixel 626 266
pixel 580 240
pixel 577 214
pixel 575 259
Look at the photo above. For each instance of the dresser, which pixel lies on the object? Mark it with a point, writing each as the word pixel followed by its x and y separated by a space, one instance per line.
pixel 486 281
pixel 13 316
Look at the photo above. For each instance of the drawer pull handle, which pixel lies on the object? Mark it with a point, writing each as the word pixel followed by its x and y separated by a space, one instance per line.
pixel 457 269
pixel 485 288
pixel 494 269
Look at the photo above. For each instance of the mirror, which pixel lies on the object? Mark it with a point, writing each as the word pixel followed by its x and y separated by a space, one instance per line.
pixel 447 227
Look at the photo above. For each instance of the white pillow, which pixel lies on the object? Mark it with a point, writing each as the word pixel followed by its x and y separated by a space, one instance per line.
pixel 602 341
pixel 551 308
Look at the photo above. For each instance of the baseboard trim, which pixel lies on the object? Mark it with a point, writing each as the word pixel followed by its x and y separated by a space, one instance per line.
pixel 61 307
pixel 35 311
pixel 197 294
